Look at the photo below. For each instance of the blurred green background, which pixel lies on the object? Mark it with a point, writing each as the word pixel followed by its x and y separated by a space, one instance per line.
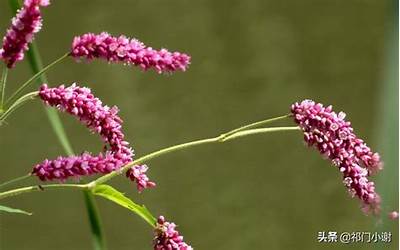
pixel 250 61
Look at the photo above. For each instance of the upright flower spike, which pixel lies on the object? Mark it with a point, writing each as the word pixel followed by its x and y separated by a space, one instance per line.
pixel 167 237
pixel 334 138
pixel 127 51
pixel 25 24
pixel 80 102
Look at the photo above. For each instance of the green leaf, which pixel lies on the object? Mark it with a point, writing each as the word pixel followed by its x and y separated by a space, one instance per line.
pixel 114 195
pixel 13 210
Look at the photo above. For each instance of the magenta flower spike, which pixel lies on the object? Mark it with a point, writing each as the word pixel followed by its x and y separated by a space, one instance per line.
pixel 167 237
pixel 127 51
pixel 25 24
pixel 81 103
pixel 334 138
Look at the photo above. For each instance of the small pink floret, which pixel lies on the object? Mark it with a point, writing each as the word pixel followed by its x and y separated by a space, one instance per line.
pixel 138 174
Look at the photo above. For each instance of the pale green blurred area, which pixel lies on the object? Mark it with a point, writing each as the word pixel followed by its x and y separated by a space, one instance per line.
pixel 250 61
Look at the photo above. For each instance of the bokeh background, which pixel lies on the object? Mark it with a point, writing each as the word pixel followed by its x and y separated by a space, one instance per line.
pixel 250 61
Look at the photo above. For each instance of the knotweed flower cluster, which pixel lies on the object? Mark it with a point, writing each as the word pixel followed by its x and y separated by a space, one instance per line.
pixel 80 102
pixel 128 51
pixel 167 237
pixel 25 24
pixel 334 138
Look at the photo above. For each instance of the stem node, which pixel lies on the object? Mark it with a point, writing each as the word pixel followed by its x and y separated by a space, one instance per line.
pixel 91 185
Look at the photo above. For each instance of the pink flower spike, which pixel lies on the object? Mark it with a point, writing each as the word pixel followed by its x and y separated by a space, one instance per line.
pixel 334 138
pixel 127 51
pixel 167 237
pixel 25 24
pixel 81 103
pixel 100 119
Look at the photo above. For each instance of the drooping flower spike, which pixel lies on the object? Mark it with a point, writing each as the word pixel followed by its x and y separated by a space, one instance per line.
pixel 25 24
pixel 81 103
pixel 127 51
pixel 167 237
pixel 334 138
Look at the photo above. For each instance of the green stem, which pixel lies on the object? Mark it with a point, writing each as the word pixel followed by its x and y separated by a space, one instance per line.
pixel 17 104
pixel 257 131
pixel 35 77
pixel 3 82
pixel 58 129
pixel 257 124
pixel 29 189
pixel 94 221
pixel 150 156
pixel 15 180
pixel 218 139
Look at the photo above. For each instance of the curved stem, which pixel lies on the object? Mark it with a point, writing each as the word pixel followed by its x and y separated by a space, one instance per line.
pixel 3 81
pixel 29 189
pixel 150 156
pixel 257 131
pixel 36 76
pixel 221 138
pixel 15 180
pixel 17 104
pixel 59 130
pixel 257 124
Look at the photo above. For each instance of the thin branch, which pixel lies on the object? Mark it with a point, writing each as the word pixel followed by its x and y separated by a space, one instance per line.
pixel 15 180
pixel 29 189
pixel 36 76
pixel 3 82
pixel 219 139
